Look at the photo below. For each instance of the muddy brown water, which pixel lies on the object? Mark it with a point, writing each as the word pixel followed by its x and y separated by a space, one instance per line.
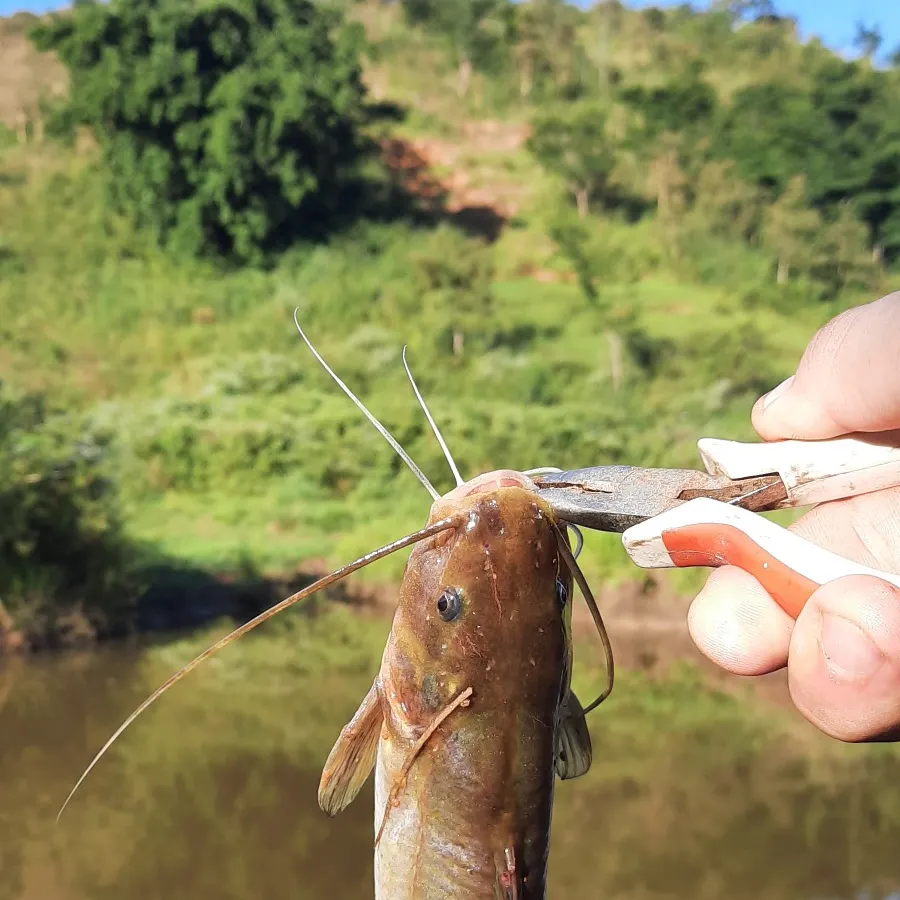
pixel 208 801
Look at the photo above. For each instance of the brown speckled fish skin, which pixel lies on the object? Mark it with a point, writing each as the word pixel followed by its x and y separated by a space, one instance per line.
pixel 472 816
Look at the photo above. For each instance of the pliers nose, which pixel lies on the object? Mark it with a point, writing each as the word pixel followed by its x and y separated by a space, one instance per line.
pixel 614 498
pixel 680 517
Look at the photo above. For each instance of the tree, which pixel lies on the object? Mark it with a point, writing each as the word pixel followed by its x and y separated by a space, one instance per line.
pixel 772 132
pixel 452 276
pixel 686 105
pixel 839 133
pixel 667 183
pixel 64 565
pixel 867 40
pixel 724 203
pixel 745 9
pixel 224 125
pixel 474 28
pixel 572 237
pixel 572 141
pixel 847 258
pixel 546 44
pixel 858 101
pixel 792 230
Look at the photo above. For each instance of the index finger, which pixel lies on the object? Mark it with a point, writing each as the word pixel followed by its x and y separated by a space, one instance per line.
pixel 848 379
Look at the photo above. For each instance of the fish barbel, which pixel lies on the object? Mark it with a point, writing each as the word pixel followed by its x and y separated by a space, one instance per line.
pixel 484 608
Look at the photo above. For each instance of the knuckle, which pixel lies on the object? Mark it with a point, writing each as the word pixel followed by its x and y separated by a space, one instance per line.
pixel 829 339
pixel 851 328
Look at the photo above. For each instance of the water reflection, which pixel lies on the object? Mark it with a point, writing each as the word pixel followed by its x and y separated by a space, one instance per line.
pixel 212 795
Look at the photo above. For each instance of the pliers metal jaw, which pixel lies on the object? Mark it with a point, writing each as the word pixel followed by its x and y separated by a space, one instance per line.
pixel 681 517
pixel 613 498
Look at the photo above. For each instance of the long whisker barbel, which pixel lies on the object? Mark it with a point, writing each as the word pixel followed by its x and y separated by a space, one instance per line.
pixel 588 595
pixel 579 539
pixel 337 575
pixel 381 429
pixel 432 423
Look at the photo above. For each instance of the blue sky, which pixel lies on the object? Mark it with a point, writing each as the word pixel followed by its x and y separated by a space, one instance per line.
pixel 832 20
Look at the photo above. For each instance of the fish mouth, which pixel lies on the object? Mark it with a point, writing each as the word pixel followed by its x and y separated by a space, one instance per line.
pixel 491 481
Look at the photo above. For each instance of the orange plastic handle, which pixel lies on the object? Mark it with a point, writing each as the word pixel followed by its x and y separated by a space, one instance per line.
pixel 717 545
pixel 705 532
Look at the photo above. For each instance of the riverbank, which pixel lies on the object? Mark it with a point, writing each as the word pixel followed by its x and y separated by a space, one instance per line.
pixel 646 619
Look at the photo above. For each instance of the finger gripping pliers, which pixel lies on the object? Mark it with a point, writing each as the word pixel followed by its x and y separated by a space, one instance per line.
pixel 684 518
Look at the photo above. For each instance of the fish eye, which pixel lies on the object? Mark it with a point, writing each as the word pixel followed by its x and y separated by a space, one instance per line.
pixel 562 594
pixel 449 604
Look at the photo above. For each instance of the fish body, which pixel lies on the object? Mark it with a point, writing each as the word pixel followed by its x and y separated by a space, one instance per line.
pixel 463 808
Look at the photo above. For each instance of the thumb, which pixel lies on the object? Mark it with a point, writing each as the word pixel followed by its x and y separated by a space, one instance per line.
pixel 846 380
pixel 844 659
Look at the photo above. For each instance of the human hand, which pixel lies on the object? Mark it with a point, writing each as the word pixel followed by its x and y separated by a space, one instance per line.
pixel 843 651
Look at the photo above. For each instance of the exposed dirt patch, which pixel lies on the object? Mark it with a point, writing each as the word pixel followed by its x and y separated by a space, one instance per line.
pixel 26 76
pixel 441 172
pixel 412 168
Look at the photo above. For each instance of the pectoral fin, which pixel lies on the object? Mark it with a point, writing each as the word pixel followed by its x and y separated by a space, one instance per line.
pixel 352 757
pixel 573 741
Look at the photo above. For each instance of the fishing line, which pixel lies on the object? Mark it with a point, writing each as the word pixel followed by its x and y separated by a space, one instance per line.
pixel 381 429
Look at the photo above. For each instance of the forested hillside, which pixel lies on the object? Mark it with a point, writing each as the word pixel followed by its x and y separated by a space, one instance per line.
pixel 602 233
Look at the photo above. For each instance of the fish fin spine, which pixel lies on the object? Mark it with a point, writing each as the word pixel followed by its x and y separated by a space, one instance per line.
pixel 573 740
pixel 353 756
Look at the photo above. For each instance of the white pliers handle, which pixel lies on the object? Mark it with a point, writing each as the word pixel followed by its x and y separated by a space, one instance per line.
pixel 707 532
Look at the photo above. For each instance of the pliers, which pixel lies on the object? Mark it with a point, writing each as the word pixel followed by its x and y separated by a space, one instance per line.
pixel 682 518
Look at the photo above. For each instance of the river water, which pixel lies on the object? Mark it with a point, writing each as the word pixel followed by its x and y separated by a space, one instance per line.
pixel 213 793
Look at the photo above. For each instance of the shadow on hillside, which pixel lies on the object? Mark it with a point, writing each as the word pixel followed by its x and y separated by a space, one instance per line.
pixel 478 221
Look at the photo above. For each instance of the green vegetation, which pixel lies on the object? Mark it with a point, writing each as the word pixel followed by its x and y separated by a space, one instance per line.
pixel 223 126
pixel 60 544
pixel 684 199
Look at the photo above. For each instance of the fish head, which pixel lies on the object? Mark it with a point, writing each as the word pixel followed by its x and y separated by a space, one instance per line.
pixel 484 605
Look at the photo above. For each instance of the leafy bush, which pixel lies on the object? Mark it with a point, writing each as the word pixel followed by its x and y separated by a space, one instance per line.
pixel 64 570
pixel 225 126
